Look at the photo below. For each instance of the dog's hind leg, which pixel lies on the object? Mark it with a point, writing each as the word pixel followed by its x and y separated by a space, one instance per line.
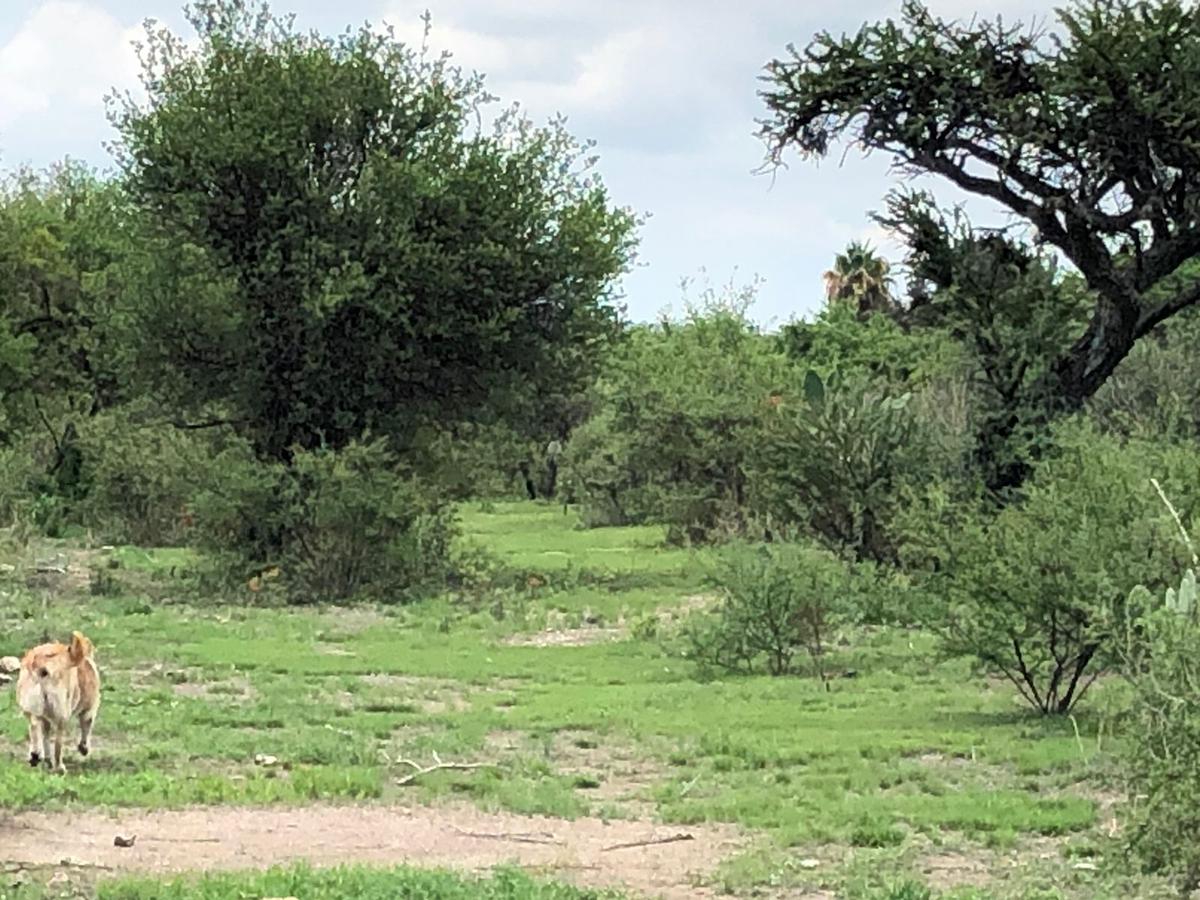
pixel 48 742
pixel 36 745
pixel 86 721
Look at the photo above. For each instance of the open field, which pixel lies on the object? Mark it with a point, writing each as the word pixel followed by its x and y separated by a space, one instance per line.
pixel 236 736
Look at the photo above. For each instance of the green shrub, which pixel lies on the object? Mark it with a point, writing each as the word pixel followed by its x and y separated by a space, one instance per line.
pixel 1162 751
pixel 777 601
pixel 1153 390
pixel 833 457
pixel 138 478
pixel 1025 589
pixel 338 524
pixel 677 410
pixel 906 890
pixel 19 473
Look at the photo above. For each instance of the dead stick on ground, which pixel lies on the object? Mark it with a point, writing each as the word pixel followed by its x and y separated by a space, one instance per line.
pixel 437 766
pixel 667 840
pixel 508 836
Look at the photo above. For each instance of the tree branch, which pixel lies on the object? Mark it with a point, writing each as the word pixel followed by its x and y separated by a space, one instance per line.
pixel 438 766
pixel 1163 311
pixel 211 423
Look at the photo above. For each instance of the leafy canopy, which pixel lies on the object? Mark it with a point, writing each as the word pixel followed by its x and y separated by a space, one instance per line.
pixel 1090 136
pixel 340 245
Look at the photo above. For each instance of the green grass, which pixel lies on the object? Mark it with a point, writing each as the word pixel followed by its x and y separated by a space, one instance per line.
pixel 539 538
pixel 338 883
pixel 906 749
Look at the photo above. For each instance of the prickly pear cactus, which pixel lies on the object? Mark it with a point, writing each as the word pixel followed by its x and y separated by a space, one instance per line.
pixel 1183 601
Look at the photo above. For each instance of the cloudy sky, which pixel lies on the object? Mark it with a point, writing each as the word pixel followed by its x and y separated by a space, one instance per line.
pixel 668 89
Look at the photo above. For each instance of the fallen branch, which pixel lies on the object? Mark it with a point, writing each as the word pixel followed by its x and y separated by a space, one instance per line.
pixel 539 838
pixel 675 838
pixel 688 787
pixel 437 766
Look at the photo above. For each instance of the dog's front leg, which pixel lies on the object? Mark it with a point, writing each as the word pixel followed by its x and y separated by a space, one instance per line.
pixel 57 765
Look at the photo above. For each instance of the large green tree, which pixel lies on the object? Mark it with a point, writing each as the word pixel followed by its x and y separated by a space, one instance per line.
pixel 64 245
pixel 1090 135
pixel 342 246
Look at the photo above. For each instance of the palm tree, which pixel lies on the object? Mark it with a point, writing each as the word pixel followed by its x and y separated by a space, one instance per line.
pixel 860 277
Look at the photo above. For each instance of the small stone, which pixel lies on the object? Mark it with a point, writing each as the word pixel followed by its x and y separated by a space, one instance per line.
pixel 57 879
pixel 9 664
pixel 121 841
pixel 265 759
pixel 809 863
pixel 1085 866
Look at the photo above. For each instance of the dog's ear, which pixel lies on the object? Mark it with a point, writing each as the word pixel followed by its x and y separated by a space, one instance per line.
pixel 79 647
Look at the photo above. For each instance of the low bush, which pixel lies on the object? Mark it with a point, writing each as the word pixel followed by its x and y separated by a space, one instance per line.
pixel 1162 750
pixel 1028 591
pixel 336 524
pixel 778 602
pixel 138 478
pixel 832 457
pixel 678 409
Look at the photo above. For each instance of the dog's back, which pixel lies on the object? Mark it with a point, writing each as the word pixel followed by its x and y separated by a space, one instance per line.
pixel 58 682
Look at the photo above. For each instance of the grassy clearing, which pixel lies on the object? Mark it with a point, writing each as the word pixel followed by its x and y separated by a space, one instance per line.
pixel 332 884
pixel 904 759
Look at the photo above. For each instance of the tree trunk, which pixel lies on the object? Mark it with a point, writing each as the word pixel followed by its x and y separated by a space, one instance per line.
pixel 530 488
pixel 550 484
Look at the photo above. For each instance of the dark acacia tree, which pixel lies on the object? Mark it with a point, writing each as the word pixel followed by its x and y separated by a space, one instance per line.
pixel 342 247
pixel 1090 134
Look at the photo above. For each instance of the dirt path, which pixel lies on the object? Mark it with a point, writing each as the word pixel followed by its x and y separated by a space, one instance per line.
pixel 461 837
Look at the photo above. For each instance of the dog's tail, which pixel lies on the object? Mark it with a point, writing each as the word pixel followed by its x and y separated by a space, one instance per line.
pixel 80 649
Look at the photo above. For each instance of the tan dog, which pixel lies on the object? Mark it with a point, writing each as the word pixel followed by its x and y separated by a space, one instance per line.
pixel 56 684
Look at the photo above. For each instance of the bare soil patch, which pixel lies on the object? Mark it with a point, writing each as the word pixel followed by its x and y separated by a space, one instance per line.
pixel 607 770
pixel 236 690
pixel 568 637
pixel 430 695
pixel 585 851
pixel 674 614
pixel 344 622
pixel 947 871
pixel 622 775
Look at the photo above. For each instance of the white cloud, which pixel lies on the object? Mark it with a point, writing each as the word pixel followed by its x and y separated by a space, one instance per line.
pixel 638 74
pixel 667 88
pixel 65 54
